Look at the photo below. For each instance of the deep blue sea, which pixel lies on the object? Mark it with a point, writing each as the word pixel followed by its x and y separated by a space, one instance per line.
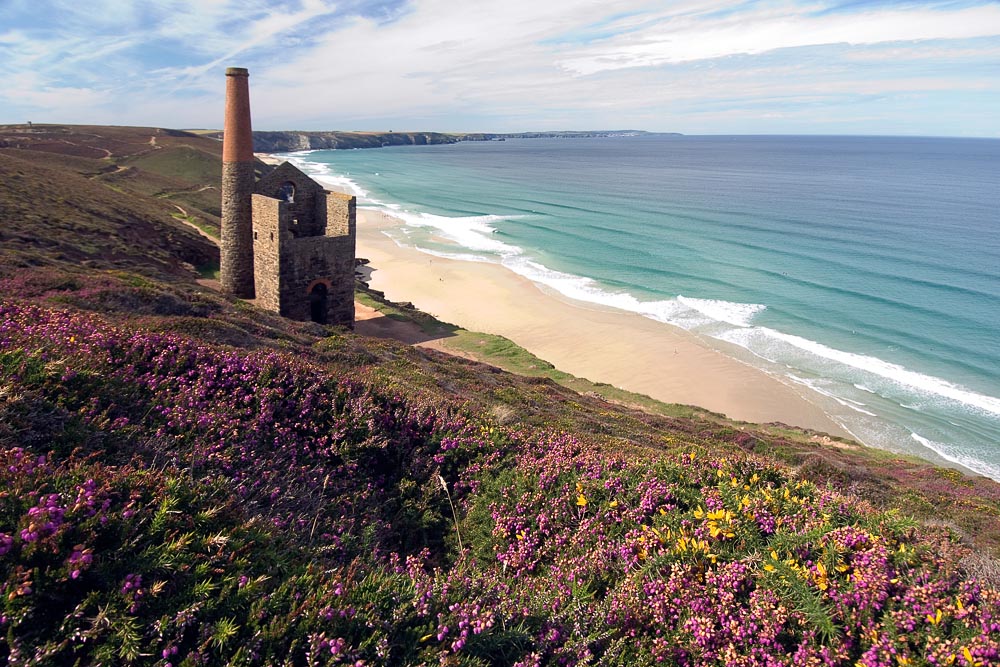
pixel 865 269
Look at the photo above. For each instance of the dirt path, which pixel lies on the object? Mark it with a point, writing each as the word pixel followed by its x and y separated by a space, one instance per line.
pixel 107 153
pixel 194 226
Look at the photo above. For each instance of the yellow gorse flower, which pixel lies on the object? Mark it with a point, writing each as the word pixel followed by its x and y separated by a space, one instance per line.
pixel 821 577
pixel 720 523
pixel 967 654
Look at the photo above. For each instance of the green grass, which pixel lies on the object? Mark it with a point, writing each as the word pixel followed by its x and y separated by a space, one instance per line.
pixel 209 271
pixel 183 163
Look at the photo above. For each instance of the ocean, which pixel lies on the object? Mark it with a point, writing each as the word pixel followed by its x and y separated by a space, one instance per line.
pixel 865 271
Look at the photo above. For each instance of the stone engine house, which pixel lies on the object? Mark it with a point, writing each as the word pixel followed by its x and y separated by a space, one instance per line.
pixel 303 248
pixel 285 241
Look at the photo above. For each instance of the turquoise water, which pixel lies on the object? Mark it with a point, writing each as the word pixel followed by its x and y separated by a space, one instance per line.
pixel 865 269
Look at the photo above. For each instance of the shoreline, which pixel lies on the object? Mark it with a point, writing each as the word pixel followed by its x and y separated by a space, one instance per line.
pixel 635 353
pixel 599 343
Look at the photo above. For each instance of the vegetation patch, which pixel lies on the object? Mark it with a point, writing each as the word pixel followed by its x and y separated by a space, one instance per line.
pixel 253 508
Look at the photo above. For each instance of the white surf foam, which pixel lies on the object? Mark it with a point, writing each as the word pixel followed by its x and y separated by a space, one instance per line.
pixel 739 314
pixel 677 311
pixel 702 315
pixel 920 382
pixel 471 232
pixel 948 453
pixel 857 406
pixel 462 257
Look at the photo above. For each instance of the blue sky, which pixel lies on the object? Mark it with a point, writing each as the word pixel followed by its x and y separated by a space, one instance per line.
pixel 692 66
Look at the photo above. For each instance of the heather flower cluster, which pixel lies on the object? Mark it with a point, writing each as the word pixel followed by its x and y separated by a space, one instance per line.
pixel 194 505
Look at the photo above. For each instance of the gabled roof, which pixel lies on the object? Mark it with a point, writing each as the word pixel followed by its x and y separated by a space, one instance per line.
pixel 286 172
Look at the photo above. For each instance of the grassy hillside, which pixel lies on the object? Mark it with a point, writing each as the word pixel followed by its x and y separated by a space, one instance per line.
pixel 186 480
pixel 164 169
pixel 52 216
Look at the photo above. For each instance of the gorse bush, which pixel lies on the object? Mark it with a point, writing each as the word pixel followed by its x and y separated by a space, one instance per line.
pixel 169 502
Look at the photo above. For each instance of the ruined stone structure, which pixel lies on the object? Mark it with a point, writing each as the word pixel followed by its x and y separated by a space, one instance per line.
pixel 285 239
pixel 303 248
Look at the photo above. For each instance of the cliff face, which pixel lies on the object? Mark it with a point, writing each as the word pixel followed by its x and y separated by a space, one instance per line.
pixel 280 142
pixel 287 141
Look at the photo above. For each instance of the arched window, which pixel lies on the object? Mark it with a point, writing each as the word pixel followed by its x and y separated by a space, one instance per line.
pixel 317 303
pixel 287 192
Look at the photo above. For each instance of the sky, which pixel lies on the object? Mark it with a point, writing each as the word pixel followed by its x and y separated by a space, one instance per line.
pixel 882 67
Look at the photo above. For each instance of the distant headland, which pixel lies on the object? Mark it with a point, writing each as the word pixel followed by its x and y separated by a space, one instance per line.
pixel 295 140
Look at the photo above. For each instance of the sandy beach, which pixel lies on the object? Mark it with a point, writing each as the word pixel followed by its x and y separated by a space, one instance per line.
pixel 598 343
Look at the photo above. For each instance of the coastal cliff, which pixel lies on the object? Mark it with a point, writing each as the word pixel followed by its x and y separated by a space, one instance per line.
pixel 294 140
pixel 283 142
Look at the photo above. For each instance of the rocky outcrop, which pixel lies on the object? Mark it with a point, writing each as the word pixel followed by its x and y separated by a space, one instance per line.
pixel 282 142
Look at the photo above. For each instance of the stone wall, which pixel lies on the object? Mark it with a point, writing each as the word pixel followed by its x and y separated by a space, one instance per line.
pixel 340 215
pixel 288 266
pixel 267 241
pixel 284 239
pixel 326 259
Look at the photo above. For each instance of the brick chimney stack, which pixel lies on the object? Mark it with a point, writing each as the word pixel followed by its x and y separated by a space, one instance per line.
pixel 236 246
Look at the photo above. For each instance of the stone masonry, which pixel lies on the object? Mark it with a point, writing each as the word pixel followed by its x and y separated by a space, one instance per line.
pixel 303 247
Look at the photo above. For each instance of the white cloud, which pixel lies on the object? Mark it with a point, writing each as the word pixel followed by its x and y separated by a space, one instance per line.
pixel 519 64
pixel 678 39
pixel 267 25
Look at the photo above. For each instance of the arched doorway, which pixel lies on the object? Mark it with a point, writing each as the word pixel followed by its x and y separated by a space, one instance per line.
pixel 317 303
